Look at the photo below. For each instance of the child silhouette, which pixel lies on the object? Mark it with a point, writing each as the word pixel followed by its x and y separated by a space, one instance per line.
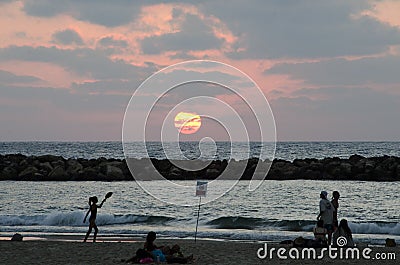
pixel 93 214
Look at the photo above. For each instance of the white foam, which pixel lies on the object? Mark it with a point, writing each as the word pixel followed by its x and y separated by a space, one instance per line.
pixel 375 228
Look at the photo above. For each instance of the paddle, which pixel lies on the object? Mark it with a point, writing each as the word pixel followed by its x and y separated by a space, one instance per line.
pixel 108 195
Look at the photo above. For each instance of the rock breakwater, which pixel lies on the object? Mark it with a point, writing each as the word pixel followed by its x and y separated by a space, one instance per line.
pixel 57 168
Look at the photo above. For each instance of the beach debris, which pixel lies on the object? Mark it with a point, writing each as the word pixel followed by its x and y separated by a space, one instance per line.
pixel 390 242
pixel 17 237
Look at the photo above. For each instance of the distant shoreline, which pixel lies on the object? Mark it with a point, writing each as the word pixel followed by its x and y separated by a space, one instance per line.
pixel 57 168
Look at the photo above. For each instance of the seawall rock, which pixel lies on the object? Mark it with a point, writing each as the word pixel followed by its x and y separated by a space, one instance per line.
pixel 57 168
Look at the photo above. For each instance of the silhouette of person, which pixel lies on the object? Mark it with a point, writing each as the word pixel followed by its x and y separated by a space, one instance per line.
pixel 93 214
pixel 326 210
pixel 343 231
pixel 335 203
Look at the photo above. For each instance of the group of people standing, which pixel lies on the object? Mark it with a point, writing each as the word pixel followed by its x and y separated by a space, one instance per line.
pixel 328 228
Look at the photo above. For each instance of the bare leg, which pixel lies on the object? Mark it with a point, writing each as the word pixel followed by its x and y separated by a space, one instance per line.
pixel 329 238
pixel 95 232
pixel 88 233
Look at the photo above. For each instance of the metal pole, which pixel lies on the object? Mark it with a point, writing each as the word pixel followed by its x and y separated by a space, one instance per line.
pixel 197 223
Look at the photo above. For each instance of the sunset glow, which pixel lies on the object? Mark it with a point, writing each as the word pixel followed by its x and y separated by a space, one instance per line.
pixel 187 123
pixel 73 62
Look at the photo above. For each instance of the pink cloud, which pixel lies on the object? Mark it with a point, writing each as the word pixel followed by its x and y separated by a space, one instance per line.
pixel 386 11
pixel 53 75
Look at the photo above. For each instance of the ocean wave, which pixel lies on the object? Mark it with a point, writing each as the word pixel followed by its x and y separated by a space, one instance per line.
pixel 375 228
pixel 230 222
pixel 236 223
pixel 76 219
pixel 249 223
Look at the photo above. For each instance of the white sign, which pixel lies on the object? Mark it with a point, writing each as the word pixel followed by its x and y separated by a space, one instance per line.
pixel 201 188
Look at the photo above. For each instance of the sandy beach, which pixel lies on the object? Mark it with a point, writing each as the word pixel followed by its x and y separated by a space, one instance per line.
pixel 63 251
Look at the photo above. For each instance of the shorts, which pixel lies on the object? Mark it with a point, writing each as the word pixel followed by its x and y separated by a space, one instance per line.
pixel 329 227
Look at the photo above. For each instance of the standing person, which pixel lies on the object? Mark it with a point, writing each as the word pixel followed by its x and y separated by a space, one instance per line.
pixel 326 214
pixel 93 214
pixel 335 203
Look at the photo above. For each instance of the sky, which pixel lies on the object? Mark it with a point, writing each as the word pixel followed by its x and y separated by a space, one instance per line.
pixel 329 69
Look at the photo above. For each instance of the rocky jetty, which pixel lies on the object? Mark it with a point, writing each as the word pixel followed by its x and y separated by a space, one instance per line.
pixel 57 168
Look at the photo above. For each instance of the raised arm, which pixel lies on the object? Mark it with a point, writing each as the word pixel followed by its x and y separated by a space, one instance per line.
pixel 101 204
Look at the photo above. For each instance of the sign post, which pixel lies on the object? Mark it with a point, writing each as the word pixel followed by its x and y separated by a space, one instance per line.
pixel 201 191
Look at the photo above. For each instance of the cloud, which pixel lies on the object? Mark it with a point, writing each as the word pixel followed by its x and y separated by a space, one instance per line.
pixel 380 70
pixel 111 42
pixel 21 34
pixel 247 32
pixel 45 113
pixel 302 29
pixel 57 114
pixel 67 37
pixel 109 87
pixel 91 110
pixel 264 29
pixel 338 113
pixel 386 11
pixel 10 78
pixel 103 12
pixel 182 56
pixel 41 97
pixel 112 45
pixel 83 61
pixel 194 34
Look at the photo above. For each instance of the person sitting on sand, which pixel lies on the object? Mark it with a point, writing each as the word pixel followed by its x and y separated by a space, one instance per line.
pixel 162 254
pixel 320 232
pixel 153 249
pixel 174 255
pixel 335 203
pixel 326 214
pixel 93 214
pixel 343 231
pixel 142 256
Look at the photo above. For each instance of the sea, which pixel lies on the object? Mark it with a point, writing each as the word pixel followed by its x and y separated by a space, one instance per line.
pixel 276 211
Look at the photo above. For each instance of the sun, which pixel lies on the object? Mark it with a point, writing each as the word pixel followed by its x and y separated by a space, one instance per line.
pixel 187 123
